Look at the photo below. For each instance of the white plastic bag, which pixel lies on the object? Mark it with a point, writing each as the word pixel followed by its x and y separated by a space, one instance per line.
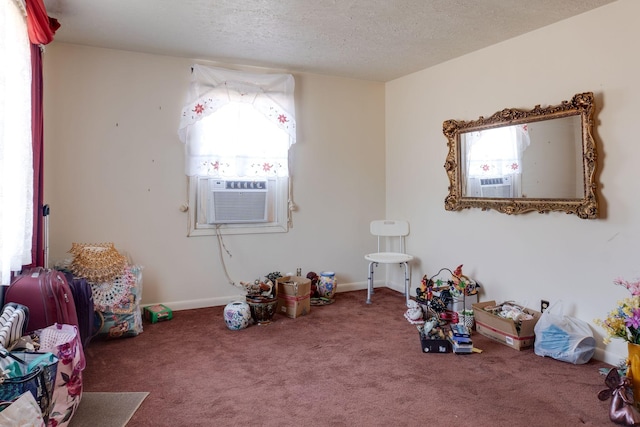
pixel 23 412
pixel 563 337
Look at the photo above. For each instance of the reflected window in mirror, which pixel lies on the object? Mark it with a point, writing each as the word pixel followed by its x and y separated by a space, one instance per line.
pixel 492 161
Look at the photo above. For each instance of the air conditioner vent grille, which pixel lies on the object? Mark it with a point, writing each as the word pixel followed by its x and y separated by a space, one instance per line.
pixel 500 187
pixel 237 201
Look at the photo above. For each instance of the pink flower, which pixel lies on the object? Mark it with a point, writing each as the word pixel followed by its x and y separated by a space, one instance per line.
pixel 66 353
pixel 633 287
pixel 74 383
pixel 633 321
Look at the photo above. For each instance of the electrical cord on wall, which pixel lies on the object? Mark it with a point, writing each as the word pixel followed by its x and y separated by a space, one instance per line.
pixel 222 246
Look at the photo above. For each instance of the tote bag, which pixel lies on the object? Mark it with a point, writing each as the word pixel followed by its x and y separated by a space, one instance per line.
pixel 29 372
pixel 64 341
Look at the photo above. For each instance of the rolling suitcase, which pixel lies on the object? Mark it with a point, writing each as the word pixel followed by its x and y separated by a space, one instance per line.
pixel 47 295
pixel 83 298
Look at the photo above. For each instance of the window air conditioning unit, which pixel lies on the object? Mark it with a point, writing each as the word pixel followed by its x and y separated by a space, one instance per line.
pixel 496 187
pixel 237 201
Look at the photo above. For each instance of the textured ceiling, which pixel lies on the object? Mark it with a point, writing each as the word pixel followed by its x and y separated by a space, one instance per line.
pixel 376 40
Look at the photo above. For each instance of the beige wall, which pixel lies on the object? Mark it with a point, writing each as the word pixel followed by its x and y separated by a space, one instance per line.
pixel 534 256
pixel 114 173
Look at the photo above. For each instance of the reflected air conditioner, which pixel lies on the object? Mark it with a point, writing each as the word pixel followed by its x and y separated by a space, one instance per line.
pixel 501 187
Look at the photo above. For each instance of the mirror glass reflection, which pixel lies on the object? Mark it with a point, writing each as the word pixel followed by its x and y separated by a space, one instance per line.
pixel 539 159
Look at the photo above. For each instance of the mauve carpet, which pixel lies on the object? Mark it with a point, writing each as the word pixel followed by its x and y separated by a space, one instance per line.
pixel 345 364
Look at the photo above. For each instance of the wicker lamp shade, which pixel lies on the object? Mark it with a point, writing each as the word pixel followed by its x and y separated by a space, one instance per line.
pixel 99 262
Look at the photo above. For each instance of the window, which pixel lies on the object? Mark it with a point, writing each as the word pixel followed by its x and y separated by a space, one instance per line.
pixel 237 129
pixel 16 163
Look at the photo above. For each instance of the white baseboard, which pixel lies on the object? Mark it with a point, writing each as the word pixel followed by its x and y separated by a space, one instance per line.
pixel 218 301
pixel 609 357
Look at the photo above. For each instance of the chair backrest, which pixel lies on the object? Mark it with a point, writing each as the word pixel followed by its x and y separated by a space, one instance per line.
pixel 390 228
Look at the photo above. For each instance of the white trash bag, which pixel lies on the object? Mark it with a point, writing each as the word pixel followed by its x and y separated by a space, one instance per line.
pixel 23 412
pixel 563 337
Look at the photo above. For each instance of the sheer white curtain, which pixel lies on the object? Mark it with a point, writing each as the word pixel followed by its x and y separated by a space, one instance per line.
pixel 16 164
pixel 496 152
pixel 237 123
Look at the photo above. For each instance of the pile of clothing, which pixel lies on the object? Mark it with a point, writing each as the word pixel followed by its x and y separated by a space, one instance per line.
pixel 116 285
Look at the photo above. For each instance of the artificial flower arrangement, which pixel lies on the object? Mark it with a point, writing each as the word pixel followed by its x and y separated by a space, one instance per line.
pixel 624 321
pixel 457 286
pixel 261 297
pixel 262 289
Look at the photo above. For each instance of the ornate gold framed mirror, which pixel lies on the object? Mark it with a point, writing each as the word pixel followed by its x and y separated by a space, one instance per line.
pixel 517 161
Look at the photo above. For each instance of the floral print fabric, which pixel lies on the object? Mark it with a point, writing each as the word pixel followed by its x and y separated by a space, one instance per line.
pixel 64 342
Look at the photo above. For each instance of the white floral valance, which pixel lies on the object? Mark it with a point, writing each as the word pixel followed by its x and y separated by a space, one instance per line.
pixel 211 89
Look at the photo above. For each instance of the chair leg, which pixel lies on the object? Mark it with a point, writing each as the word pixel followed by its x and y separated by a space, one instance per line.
pixel 370 282
pixel 406 283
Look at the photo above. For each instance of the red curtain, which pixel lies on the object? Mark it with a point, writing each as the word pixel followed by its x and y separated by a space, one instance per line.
pixel 41 29
pixel 37 128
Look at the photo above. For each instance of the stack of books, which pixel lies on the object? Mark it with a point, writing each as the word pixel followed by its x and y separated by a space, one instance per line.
pixel 460 337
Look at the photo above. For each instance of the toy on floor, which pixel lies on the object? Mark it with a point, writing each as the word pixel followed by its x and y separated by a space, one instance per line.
pixel 414 312
pixel 621 410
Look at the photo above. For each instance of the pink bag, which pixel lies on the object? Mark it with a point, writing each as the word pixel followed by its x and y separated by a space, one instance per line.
pixel 64 341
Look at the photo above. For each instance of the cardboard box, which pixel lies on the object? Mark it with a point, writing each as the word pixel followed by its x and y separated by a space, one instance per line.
pixel 294 296
pixel 157 313
pixel 505 330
